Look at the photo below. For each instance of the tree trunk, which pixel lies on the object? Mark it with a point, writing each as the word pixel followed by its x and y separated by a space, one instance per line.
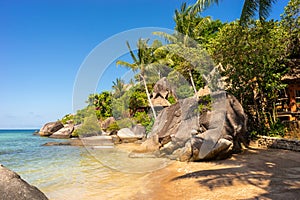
pixel 148 96
pixel 192 81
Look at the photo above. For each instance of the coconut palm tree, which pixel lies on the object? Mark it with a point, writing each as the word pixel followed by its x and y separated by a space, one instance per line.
pixel 118 87
pixel 250 8
pixel 144 58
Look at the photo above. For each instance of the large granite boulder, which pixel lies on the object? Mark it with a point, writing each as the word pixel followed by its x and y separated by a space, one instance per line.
pixel 51 127
pixel 12 186
pixel 163 88
pixel 193 129
pixel 64 133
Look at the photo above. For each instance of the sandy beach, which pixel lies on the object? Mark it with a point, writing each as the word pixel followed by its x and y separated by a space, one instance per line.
pixel 253 174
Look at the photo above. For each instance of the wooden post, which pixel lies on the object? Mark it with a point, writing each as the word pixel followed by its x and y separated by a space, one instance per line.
pixel 292 96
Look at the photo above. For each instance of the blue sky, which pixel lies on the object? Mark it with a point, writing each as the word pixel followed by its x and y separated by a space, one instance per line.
pixel 44 43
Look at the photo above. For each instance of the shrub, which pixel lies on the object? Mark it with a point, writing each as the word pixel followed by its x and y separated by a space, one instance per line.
pixel 67 118
pixel 89 127
pixel 142 118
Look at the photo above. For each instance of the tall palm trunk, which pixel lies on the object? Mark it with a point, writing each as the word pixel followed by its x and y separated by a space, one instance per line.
pixel 192 81
pixel 148 96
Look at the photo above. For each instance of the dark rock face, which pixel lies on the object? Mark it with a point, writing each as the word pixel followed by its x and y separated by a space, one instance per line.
pixel 51 127
pixel 185 133
pixel 13 187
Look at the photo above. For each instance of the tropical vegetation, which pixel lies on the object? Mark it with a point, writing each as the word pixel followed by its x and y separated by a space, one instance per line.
pixel 251 55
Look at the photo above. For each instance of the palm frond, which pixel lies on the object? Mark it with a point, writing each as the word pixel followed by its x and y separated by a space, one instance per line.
pixel 127 64
pixel 201 5
pixel 168 37
pixel 264 9
pixel 248 11
pixel 135 60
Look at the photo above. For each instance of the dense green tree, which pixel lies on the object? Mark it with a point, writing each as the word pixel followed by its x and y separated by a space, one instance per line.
pixel 253 63
pixel 291 22
pixel 187 57
pixel 102 103
pixel 250 8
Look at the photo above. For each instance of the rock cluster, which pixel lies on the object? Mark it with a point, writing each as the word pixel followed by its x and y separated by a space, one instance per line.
pixel 187 133
pixel 57 130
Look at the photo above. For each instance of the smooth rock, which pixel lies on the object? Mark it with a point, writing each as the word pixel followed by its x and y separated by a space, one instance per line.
pixel 64 132
pixel 13 187
pixel 127 135
pixel 51 127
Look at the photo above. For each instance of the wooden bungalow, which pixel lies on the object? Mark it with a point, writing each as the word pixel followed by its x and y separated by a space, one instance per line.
pixel 288 105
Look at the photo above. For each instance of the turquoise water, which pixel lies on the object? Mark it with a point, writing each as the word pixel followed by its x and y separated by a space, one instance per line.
pixel 66 172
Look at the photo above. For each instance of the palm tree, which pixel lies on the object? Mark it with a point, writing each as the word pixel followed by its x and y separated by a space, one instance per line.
pixel 144 58
pixel 186 46
pixel 249 10
pixel 118 87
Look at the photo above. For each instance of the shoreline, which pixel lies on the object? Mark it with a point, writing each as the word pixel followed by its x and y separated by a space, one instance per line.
pixel 254 173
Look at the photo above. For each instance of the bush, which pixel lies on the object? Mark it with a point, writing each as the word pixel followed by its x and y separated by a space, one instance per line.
pixel 142 118
pixel 89 127
pixel 67 118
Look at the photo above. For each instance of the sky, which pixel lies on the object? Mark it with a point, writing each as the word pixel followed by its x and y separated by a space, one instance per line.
pixel 43 44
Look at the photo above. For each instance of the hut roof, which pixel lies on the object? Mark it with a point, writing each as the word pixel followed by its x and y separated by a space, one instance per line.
pixel 160 101
pixel 294 73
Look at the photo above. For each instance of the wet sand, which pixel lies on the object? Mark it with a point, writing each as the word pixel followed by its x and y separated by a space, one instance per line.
pixel 253 174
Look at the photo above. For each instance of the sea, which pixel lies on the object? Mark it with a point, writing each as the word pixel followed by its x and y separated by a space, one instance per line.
pixel 73 172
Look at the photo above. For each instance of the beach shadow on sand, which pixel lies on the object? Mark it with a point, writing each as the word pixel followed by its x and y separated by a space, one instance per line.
pixel 275 172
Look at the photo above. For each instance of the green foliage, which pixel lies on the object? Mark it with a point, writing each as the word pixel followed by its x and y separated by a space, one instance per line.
pixel 291 22
pixel 276 129
pixel 102 104
pixel 113 127
pixel 150 125
pixel 253 60
pixel 119 124
pixel 138 99
pixel 250 8
pixel 171 99
pixel 67 118
pixel 90 125
pixel 118 88
pixel 80 115
pixel 75 133
pixel 142 118
pixel 190 23
pixel 184 91
pixel 205 104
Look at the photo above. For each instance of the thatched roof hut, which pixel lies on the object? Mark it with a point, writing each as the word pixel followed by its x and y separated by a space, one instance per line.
pixel 159 101
pixel 293 75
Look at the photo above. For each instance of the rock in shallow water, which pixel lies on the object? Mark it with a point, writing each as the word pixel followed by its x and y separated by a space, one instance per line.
pixel 51 127
pixel 13 187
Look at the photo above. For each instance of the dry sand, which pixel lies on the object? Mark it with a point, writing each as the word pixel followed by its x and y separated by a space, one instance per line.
pixel 253 174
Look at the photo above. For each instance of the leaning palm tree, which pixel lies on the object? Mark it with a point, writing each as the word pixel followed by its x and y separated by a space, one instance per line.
pixel 144 58
pixel 249 10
